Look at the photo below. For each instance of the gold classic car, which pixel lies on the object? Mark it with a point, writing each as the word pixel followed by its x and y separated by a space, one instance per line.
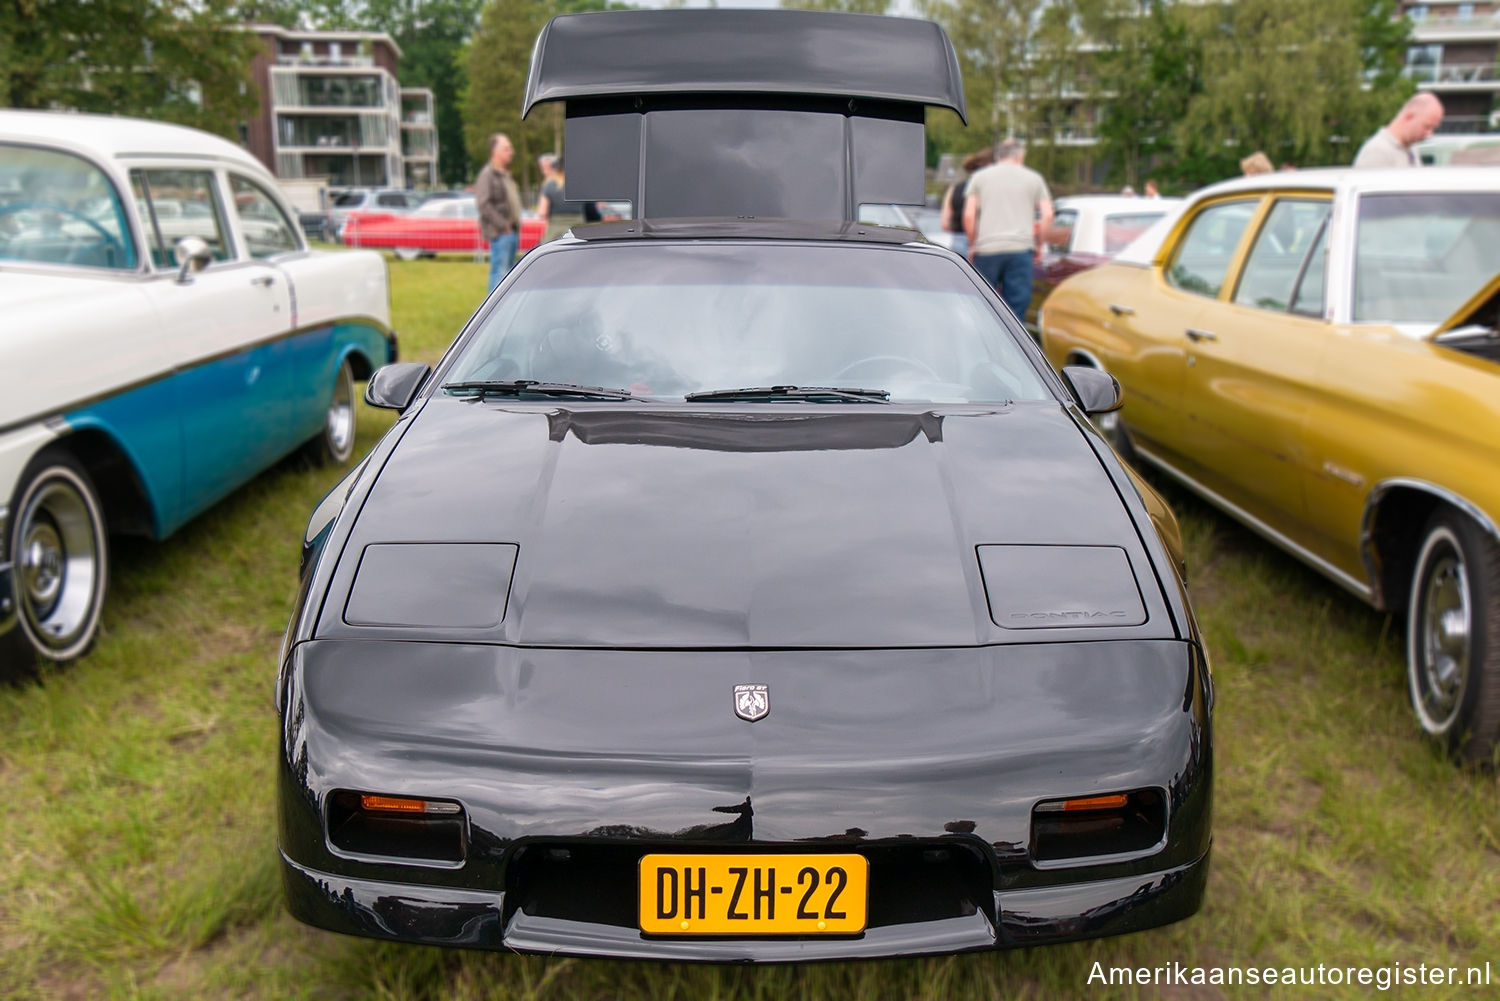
pixel 1316 353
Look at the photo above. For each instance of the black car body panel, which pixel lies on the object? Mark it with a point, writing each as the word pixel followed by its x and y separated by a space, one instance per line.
pixel 544 633
pixel 629 53
pixel 716 535
pixel 929 762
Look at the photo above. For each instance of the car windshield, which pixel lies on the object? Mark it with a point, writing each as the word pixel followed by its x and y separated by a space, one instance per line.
pixel 667 320
pixel 56 208
pixel 1420 256
pixel 350 199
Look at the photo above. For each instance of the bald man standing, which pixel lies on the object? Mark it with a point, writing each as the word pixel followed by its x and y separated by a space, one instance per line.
pixel 1395 144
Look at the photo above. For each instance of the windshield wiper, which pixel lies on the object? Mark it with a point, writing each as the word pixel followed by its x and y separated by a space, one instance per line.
pixel 829 393
pixel 517 387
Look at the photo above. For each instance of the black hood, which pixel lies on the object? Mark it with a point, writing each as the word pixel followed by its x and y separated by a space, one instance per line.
pixel 767 527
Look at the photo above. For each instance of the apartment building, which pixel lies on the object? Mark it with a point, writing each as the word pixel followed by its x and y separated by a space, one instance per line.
pixel 419 141
pixel 330 107
pixel 1454 52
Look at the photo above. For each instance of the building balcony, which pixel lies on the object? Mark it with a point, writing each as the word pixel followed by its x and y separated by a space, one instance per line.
pixel 324 62
pixel 1452 28
pixel 1461 76
pixel 1466 124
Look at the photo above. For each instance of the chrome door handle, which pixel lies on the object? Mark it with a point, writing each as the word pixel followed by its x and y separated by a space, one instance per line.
pixel 264 281
pixel 1194 334
pixel 1119 310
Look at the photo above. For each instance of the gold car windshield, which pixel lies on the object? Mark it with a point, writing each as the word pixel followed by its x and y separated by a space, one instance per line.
pixel 1419 256
pixel 667 320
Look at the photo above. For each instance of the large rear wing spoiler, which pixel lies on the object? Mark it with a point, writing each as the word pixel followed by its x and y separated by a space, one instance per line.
pixel 765 113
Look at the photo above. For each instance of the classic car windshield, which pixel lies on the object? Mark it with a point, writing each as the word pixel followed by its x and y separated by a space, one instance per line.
pixel 1422 255
pixel 56 208
pixel 670 320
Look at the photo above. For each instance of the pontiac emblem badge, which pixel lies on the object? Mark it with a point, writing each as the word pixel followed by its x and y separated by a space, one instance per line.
pixel 751 702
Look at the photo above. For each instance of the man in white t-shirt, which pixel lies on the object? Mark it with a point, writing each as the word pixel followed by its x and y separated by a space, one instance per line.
pixel 1394 145
pixel 1004 204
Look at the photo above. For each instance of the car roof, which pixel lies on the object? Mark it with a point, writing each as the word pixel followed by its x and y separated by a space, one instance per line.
pixel 115 137
pixel 1118 203
pixel 836 230
pixel 1363 180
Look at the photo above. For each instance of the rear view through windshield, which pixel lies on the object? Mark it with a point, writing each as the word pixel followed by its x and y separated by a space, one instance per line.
pixel 669 320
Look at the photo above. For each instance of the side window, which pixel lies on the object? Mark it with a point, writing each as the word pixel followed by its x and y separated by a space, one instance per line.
pixel 391 200
pixel 876 214
pixel 56 208
pixel 1276 260
pixel 1060 236
pixel 267 230
pixel 1308 298
pixel 177 204
pixel 1121 229
pixel 1203 256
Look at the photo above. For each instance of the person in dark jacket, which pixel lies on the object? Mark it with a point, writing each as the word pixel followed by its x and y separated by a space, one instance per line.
pixel 953 199
pixel 499 203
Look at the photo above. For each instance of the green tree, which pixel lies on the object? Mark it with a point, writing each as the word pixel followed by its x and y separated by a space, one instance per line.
pixel 176 60
pixel 497 58
pixel 1297 80
pixel 852 6
pixel 1148 71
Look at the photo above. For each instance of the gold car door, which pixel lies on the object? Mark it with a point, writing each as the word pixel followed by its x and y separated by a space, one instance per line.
pixel 1252 368
pixel 1189 277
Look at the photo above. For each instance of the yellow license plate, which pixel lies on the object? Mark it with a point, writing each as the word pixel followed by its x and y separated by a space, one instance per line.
pixel 753 894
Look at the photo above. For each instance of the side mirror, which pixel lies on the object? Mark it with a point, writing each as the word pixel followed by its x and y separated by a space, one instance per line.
pixel 193 255
pixel 1096 391
pixel 393 386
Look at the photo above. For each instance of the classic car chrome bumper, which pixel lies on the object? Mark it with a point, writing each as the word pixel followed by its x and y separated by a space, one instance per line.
pixel 452 916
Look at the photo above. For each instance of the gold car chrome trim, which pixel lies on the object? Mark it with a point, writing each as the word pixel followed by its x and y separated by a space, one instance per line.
pixel 1377 494
pixel 1339 577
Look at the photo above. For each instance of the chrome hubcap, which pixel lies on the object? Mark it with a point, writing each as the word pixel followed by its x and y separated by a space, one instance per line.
pixel 341 414
pixel 58 565
pixel 1446 623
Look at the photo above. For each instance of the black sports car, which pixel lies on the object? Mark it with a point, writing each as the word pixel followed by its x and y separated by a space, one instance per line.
pixel 742 584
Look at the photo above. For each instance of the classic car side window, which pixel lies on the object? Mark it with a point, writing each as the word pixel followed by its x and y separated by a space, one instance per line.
pixel 177 204
pixel 1419 255
pixel 1121 228
pixel 1203 256
pixel 1308 299
pixel 56 208
pixel 1060 236
pixel 1270 275
pixel 267 230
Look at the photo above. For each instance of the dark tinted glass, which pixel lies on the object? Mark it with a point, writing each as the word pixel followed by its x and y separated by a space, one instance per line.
pixel 665 320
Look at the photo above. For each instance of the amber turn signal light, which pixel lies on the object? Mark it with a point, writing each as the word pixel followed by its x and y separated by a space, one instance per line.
pixel 401 804
pixel 1115 824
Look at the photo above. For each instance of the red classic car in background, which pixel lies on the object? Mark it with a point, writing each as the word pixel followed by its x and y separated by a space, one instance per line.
pixel 444 225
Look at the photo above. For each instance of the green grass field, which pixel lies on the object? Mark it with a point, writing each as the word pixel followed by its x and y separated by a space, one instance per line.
pixel 137 842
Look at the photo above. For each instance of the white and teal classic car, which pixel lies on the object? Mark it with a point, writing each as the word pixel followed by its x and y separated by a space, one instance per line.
pixel 165 334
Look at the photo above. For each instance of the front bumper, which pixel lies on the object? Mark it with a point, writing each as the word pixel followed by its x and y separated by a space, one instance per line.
pixel 474 919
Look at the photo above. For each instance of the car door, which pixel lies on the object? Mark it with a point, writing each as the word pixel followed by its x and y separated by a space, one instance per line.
pixel 1161 317
pixel 220 321
pixel 1252 367
pixel 296 369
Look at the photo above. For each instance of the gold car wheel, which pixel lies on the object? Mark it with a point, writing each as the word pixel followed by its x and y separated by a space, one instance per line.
pixel 1453 657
